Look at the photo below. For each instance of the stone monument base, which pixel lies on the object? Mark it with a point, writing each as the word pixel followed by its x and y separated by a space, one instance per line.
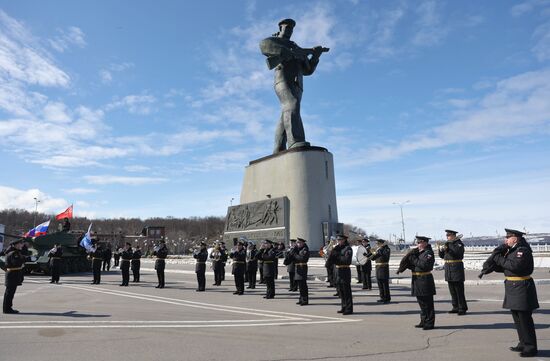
pixel 306 177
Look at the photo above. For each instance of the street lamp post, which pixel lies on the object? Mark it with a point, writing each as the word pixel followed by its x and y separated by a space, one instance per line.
pixel 36 201
pixel 402 218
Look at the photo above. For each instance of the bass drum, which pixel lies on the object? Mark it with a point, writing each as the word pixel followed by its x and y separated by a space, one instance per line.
pixel 358 259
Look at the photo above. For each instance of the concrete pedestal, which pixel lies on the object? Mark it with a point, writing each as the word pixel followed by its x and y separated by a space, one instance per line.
pixel 306 177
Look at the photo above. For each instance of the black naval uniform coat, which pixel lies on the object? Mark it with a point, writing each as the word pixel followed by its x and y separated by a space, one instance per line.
pixel 252 267
pixel 290 268
pixel 125 259
pixel 423 285
pixel 382 259
pixel 97 259
pixel 136 264
pixel 453 254
pixel 301 257
pixel 238 269
pixel 268 257
pixel 55 255
pixel 14 268
pixel 342 260
pixel 200 268
pixel 520 294
pixel 160 264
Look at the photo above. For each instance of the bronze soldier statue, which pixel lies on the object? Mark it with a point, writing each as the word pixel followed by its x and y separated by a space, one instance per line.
pixel 515 259
pixel 452 253
pixel 291 63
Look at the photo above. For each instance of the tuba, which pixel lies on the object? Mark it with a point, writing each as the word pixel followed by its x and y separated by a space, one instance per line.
pixel 216 254
pixel 325 251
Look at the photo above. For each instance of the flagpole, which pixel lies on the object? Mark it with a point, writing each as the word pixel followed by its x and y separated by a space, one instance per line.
pixel 36 201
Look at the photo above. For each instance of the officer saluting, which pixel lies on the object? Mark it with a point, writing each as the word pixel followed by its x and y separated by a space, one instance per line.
pixel 238 256
pixel 423 285
pixel 161 252
pixel 55 255
pixel 453 253
pixel 520 294
pixel 200 266
pixel 14 268
pixel 342 255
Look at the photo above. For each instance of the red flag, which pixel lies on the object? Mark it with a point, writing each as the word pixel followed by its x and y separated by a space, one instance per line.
pixel 67 213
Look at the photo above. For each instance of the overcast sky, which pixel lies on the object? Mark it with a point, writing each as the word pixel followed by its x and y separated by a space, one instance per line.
pixel 154 108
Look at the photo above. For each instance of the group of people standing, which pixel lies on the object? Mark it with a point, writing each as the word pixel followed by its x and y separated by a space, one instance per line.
pixel 513 258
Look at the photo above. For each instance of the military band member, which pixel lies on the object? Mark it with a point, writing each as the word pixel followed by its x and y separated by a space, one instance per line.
pixel 343 255
pixel 251 265
pixel 238 256
pixel 268 256
pixel 116 256
pixel 14 267
pixel 55 255
pixel 217 263
pixel 452 252
pixel 366 269
pixel 423 285
pixel 160 252
pixel 96 254
pixel 520 294
pixel 300 255
pixel 290 267
pixel 136 264
pixel 280 253
pixel 382 265
pixel 224 258
pixel 107 255
pixel 125 259
pixel 200 256
pixel 330 267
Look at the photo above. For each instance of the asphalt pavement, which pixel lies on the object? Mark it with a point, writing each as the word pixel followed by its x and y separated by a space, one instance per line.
pixel 79 321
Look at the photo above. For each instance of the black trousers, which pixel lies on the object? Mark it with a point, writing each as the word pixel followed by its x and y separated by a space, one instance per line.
pixel 427 312
pixel 366 276
pixel 270 287
pixel 293 285
pixel 201 281
pixel 262 280
pixel 125 274
pixel 135 273
pixel 359 274
pixel 56 272
pixel 107 264
pixel 96 270
pixel 160 276
pixel 330 276
pixel 344 289
pixel 526 330
pixel 384 290
pixel 117 259
pixel 251 276
pixel 457 295
pixel 217 276
pixel 239 282
pixel 8 297
pixel 304 291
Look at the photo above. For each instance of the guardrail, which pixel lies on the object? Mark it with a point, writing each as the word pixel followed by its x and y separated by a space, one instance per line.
pixel 534 247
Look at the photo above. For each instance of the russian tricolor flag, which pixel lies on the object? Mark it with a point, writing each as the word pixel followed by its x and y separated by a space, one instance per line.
pixel 40 230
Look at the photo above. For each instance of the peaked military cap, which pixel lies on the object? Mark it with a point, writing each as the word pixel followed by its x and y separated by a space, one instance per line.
pixel 301 240
pixel 422 239
pixel 450 231
pixel 203 243
pixel 289 22
pixel 514 232
pixel 268 241
pixel 128 244
pixel 241 242
pixel 342 236
pixel 293 240
pixel 380 240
